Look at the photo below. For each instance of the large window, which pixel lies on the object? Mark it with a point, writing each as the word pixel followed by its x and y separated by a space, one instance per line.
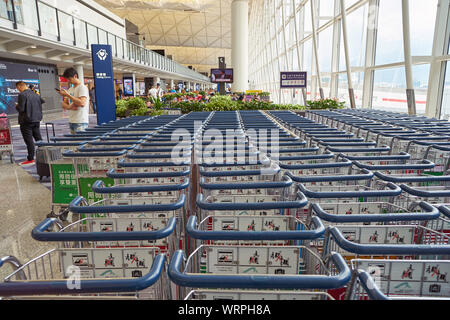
pixel 375 47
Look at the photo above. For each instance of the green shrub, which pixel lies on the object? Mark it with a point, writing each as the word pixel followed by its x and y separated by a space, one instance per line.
pixel 136 104
pixel 325 104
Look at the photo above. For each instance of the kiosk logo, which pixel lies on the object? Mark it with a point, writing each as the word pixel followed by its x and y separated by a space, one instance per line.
pixel 102 54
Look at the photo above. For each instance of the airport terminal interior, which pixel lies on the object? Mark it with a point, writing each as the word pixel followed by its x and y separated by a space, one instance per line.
pixel 225 149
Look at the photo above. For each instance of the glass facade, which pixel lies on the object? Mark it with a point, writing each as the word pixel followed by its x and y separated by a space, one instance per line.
pixel 281 28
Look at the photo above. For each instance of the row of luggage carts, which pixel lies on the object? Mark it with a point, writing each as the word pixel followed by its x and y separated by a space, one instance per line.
pixel 246 205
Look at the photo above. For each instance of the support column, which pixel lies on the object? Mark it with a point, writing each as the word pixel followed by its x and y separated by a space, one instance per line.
pixel 172 85
pixel 239 30
pixel 410 94
pixel 316 54
pixel 80 71
pixel 347 57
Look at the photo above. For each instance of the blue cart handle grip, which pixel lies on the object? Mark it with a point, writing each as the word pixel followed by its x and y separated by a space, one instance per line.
pixel 393 192
pixel 72 154
pixel 113 174
pixel 440 147
pixel 424 193
pixel 382 249
pixel 401 156
pixel 411 179
pixel 370 287
pixel 260 281
pixel 102 150
pixel 430 213
pixel 445 211
pixel 286 183
pixel 426 164
pixel 366 150
pixel 40 234
pixel 194 232
pixel 123 164
pixel 75 207
pixel 366 175
pixel 341 164
pixel 61 144
pixel 99 187
pixel 267 171
pixel 300 202
pixel 33 288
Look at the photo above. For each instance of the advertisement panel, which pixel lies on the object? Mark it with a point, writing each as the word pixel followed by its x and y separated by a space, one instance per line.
pixel 292 80
pixel 10 74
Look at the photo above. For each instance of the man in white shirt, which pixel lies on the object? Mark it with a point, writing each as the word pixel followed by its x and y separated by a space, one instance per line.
pixel 76 101
pixel 156 92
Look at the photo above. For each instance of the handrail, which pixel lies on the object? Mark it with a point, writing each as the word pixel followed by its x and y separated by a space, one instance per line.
pixel 13 261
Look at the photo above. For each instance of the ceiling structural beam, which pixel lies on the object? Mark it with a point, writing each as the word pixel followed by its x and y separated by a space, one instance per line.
pixel 15 46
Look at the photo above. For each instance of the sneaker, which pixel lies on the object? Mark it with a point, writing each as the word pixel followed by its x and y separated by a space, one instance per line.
pixel 26 163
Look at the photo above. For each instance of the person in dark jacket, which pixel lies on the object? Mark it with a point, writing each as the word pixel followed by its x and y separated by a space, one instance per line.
pixel 29 106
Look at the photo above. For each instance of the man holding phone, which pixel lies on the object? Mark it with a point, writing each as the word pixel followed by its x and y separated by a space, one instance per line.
pixel 76 101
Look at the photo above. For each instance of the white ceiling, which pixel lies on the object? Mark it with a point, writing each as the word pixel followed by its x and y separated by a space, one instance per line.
pixel 194 32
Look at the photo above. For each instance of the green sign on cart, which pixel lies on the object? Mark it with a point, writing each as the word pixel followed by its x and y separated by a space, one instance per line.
pixel 65 188
pixel 86 188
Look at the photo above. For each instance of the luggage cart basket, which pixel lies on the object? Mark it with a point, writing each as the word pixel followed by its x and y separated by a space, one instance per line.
pixel 399 280
pixel 260 268
pixel 90 274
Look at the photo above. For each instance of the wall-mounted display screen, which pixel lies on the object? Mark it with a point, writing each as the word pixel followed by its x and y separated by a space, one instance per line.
pixel 10 74
pixel 128 87
pixel 222 75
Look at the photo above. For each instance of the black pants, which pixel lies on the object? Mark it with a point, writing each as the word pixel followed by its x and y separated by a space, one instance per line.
pixel 31 131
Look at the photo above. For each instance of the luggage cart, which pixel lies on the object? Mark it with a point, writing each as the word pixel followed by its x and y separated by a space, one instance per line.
pixel 62 274
pixel 285 268
pixel 6 143
pixel 399 280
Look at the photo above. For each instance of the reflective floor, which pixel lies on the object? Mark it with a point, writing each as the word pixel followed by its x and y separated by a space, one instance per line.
pixel 24 203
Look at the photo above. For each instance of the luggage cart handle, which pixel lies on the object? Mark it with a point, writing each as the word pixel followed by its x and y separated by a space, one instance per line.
pixel 195 233
pixel 33 288
pixel 426 164
pixel 393 192
pixel 370 286
pixel 113 174
pixel 384 249
pixel 111 149
pixel 100 187
pixel 260 281
pixel 424 193
pixel 300 202
pixel 366 150
pixel 430 213
pixel 264 171
pixel 286 183
pixel 123 164
pixel 406 179
pixel 342 164
pixel 75 207
pixel 445 210
pixel 40 234
pixel 73 154
pixel 401 156
pixel 61 144
pixel 366 175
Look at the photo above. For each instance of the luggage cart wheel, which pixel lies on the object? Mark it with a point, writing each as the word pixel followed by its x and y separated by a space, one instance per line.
pixel 51 215
pixel 11 158
pixel 63 214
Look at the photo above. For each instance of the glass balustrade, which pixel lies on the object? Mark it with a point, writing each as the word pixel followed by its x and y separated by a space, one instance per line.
pixel 40 19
